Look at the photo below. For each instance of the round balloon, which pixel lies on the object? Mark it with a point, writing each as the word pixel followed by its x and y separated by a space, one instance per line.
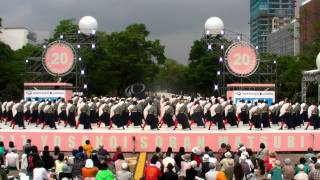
pixel 87 24
pixel 59 58
pixel 214 26
pixel 242 59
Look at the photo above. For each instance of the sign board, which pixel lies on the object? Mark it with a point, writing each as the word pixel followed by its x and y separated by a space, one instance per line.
pixel 241 59
pixel 252 96
pixel 59 58
pixel 47 94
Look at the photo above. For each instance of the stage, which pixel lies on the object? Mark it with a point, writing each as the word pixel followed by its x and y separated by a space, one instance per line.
pixel 147 140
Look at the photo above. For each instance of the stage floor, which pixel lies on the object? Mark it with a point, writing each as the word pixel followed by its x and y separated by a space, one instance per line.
pixel 68 138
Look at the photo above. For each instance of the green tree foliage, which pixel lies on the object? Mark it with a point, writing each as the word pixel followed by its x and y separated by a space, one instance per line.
pixel 203 65
pixel 171 77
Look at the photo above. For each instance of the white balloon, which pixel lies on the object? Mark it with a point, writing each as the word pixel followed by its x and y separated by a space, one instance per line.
pixel 214 26
pixel 88 25
pixel 318 61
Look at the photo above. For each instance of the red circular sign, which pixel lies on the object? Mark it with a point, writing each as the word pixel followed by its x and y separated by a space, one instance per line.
pixel 242 59
pixel 59 58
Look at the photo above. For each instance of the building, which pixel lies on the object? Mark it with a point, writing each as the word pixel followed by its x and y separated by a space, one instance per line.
pixel 284 40
pixel 17 37
pixel 309 21
pixel 262 19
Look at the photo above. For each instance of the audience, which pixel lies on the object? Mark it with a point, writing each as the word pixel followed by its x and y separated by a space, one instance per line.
pixel 85 162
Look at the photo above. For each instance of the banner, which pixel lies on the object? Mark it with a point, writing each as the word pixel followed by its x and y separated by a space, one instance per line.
pixel 286 141
pixel 45 94
pixel 252 96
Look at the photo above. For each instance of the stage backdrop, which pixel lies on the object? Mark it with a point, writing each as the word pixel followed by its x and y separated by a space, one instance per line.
pixel 148 141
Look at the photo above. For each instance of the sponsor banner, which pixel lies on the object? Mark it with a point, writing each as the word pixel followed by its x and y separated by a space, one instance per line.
pixel 45 94
pixel 147 142
pixel 252 96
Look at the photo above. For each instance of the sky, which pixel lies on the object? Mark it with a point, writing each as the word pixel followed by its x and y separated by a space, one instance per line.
pixel 177 23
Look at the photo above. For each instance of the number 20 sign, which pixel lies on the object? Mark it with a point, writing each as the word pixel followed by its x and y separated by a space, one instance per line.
pixel 241 59
pixel 59 58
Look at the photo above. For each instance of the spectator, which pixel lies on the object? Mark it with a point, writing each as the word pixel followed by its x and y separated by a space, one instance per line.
pixel 205 165
pixel 33 157
pixel 118 163
pixel 118 151
pixel 12 160
pixel 196 155
pixel 191 173
pixel 269 162
pixel 168 160
pixel 276 172
pixel 315 174
pixel 24 160
pixel 170 174
pixel 306 168
pixel 248 160
pixel 227 161
pixel 59 163
pixel 94 158
pixel 312 163
pixel 318 158
pixel 301 175
pixel 238 172
pixel 77 166
pixel 288 170
pixel 27 145
pixel 159 153
pixel 261 156
pixel 124 174
pixel 104 173
pixel 80 153
pixel 47 158
pixel 39 172
pixel 89 171
pixel 221 151
pixel 152 172
pixel 245 166
pixel 11 146
pixel 65 173
pixel 178 157
pixel 87 148
pixel 102 152
pixel 309 155
pixel 2 152
pixel 185 165
pixel 213 174
pixel 56 152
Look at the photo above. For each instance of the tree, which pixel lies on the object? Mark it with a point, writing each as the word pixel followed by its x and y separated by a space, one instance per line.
pixel 171 77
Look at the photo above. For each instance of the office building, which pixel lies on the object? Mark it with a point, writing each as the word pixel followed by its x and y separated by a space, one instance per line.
pixel 17 37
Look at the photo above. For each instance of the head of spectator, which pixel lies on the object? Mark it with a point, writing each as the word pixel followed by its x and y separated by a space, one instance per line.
pixel 60 157
pixel 39 164
pixel 262 146
pixel 170 167
pixel 34 150
pixel 228 155
pixel 186 157
pixel 212 166
pixel 56 150
pixel 287 162
pixel 182 151
pixel 169 151
pixel 301 167
pixel 310 150
pixel 302 160
pixel 124 166
pixel 278 164
pixel 89 163
pixel 317 166
pixel 1 144
pixel 228 147
pixel 28 141
pixel 154 160
pixel 272 155
pixel 119 149
pixel 193 164
pixel 11 144
pixel 196 151
pixel 120 156
pixel 205 158
pixel 223 146
pixel 87 142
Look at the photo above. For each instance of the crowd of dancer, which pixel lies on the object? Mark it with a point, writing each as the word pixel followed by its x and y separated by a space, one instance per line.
pixel 156 112
pixel 225 163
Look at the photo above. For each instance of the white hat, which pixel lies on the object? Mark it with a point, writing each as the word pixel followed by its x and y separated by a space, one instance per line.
pixel 193 164
pixel 206 158
pixel 196 151
pixel 243 148
pixel 89 163
pixel 245 154
pixel 228 154
pixel 124 166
